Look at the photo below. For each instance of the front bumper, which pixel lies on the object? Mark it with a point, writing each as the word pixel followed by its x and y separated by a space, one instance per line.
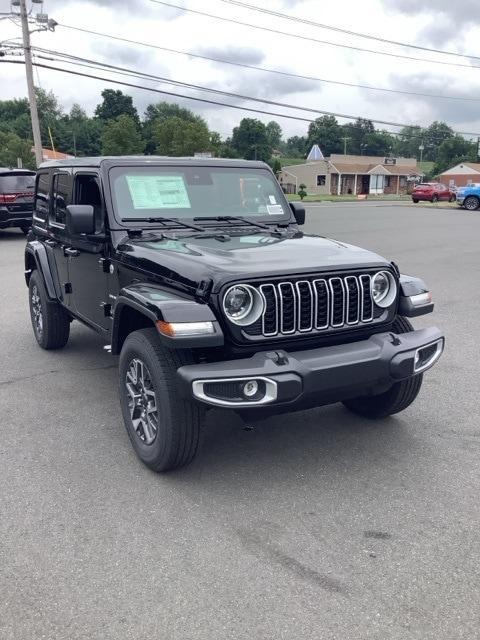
pixel 316 377
pixel 460 200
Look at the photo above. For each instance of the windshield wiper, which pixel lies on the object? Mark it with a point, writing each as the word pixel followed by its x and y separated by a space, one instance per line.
pixel 162 220
pixel 231 219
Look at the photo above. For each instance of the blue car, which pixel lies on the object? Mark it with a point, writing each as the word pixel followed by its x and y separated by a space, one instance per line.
pixel 469 196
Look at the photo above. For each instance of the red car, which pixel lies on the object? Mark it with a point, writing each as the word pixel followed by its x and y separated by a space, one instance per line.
pixel 433 192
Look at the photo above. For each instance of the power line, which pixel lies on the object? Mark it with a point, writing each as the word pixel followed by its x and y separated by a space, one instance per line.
pixel 266 70
pixel 310 39
pixel 224 104
pixel 69 58
pixel 312 23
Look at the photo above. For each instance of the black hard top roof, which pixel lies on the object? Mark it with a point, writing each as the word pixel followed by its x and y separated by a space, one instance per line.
pixel 115 161
pixel 7 170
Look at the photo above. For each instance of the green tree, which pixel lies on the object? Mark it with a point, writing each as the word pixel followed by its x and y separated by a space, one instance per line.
pixel 296 146
pixel 158 113
pixel 250 140
pixel 433 137
pixel 115 104
pixel 177 137
pixel 302 191
pixel 13 147
pixel 78 134
pixel 357 133
pixel 408 141
pixel 326 132
pixel 274 134
pixel 453 151
pixel 122 137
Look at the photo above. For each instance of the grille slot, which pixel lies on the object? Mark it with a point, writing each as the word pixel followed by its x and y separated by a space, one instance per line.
pixel 322 304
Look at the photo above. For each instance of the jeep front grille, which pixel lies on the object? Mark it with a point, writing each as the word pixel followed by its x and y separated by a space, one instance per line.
pixel 316 304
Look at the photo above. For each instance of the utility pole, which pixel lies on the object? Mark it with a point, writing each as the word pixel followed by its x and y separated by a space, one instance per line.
pixel 421 148
pixel 345 145
pixel 32 98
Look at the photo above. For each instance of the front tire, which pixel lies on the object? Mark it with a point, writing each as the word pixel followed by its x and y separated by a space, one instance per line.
pixel 50 322
pixel 471 203
pixel 163 427
pixel 397 398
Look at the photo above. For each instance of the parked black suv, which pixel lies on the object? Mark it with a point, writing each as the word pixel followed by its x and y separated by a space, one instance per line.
pixel 197 274
pixel 16 198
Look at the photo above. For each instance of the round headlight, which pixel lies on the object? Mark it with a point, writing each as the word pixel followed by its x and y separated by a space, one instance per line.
pixel 384 289
pixel 243 304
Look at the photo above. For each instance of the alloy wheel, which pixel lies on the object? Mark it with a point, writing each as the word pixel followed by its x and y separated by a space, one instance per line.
pixel 471 204
pixel 142 401
pixel 37 311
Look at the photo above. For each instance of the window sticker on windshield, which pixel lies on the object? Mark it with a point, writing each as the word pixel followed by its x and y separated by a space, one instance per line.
pixel 272 199
pixel 158 192
pixel 275 209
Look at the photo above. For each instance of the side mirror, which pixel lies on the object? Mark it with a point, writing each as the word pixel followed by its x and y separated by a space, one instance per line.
pixel 80 219
pixel 298 211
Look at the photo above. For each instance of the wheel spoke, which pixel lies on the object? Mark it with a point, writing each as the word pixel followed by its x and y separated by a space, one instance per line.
pixel 142 401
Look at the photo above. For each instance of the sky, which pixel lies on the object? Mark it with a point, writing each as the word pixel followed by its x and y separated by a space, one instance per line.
pixel 440 24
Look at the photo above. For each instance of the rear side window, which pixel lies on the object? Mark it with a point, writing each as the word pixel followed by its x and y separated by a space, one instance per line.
pixel 61 197
pixel 17 183
pixel 42 196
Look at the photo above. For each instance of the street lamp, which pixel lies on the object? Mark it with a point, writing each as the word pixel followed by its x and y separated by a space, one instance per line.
pixel 421 148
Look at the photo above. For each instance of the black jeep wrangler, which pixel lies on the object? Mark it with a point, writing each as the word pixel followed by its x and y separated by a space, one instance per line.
pixel 197 274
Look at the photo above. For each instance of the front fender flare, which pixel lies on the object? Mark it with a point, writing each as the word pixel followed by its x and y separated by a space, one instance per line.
pixel 157 303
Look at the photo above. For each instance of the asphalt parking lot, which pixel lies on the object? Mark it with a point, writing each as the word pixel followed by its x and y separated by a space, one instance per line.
pixel 314 525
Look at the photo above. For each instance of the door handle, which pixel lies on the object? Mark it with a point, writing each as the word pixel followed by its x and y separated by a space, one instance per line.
pixel 68 251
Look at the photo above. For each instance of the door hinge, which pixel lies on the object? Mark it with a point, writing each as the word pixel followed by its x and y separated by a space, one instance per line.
pixel 105 264
pixel 68 287
pixel 107 309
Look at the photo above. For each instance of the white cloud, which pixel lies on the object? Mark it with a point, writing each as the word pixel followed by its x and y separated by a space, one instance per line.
pixel 146 22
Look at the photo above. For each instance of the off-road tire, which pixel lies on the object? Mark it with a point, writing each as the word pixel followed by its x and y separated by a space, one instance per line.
pixel 471 203
pixel 434 199
pixel 179 419
pixel 397 398
pixel 55 321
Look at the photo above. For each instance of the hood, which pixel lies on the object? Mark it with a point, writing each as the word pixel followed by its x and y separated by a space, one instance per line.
pixel 191 260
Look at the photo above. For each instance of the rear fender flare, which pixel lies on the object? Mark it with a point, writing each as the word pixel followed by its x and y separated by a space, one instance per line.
pixel 37 250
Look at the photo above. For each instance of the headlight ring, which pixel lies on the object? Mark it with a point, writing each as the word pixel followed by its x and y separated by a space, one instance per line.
pixel 383 289
pixel 243 304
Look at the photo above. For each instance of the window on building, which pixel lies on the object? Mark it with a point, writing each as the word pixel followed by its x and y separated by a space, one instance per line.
pixel 403 181
pixel 321 180
pixel 387 181
pixel 61 196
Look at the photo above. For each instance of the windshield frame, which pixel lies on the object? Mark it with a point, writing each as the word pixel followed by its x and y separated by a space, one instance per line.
pixel 285 218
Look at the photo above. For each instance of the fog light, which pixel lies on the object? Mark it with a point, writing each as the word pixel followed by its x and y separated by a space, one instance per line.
pixel 250 388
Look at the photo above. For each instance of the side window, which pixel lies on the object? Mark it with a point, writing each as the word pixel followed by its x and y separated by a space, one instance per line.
pixel 42 194
pixel 61 196
pixel 87 191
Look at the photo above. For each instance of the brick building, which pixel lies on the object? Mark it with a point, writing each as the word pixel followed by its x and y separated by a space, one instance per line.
pixel 349 174
pixel 461 174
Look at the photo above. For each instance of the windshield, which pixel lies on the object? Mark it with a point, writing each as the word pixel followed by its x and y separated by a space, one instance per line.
pixel 195 192
pixel 17 182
